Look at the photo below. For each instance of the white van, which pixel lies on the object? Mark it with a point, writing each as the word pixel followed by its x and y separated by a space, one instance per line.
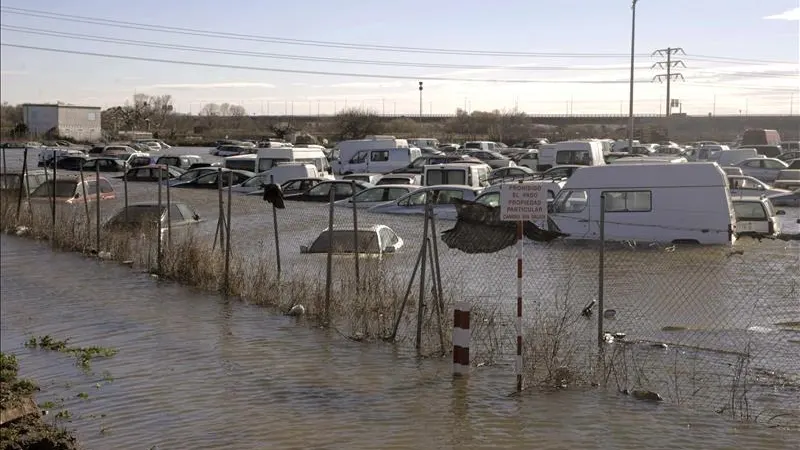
pixel 378 161
pixel 345 150
pixel 474 175
pixel 581 153
pixel 480 145
pixel 675 203
pixel 267 158
pixel 241 162
pixel 708 152
pixel 734 157
pixel 286 171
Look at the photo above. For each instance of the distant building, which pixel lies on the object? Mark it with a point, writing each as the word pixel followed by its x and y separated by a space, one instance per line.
pixel 81 123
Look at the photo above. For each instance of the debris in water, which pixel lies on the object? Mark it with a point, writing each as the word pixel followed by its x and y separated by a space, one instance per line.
pixel 608 338
pixel 104 255
pixel 21 230
pixel 296 310
pixel 587 310
pixel 610 313
pixel 619 336
pixel 127 262
pixel 647 395
pixel 661 345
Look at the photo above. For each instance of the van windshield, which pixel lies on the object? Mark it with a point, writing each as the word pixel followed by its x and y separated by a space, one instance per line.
pixel 269 163
pixel 247 164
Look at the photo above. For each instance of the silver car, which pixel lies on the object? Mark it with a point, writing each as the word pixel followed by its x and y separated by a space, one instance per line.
pixel 765 169
pixel 442 199
pixel 376 195
pixel 744 186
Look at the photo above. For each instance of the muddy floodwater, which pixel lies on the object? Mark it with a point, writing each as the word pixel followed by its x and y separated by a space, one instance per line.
pixel 195 371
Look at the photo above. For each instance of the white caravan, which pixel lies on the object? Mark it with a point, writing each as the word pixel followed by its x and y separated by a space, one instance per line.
pixel 241 162
pixel 345 150
pixel 378 161
pixel 581 153
pixel 675 203
pixel 267 158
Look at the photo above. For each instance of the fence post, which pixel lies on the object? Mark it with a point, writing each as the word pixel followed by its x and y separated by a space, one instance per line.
pixel 5 164
pixel 221 220
pixel 98 196
pixel 169 207
pixel 461 336
pixel 53 201
pixel 158 228
pixel 329 268
pixel 275 229
pixel 24 181
pixel 355 236
pixel 86 210
pixel 228 236
pixel 601 272
pixel 125 192
pixel 423 260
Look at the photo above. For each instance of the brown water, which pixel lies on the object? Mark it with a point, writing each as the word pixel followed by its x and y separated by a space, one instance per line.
pixel 194 371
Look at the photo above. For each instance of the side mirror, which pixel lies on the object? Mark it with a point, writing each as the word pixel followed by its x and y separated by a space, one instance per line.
pixel 77 195
pixel 780 212
pixel 389 249
pixel 196 217
pixel 303 249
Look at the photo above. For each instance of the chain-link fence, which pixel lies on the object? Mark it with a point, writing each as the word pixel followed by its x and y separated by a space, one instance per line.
pixel 711 327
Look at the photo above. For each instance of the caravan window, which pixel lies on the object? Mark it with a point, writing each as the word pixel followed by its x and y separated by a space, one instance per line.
pixel 240 164
pixel 576 157
pixel 571 202
pixel 379 156
pixel 359 158
pixel 629 201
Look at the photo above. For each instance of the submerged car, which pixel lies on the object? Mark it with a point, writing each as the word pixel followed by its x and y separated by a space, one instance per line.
pixel 376 195
pixel 442 200
pixel 151 173
pixel 211 179
pixel 70 189
pixel 321 192
pixel 375 239
pixel 140 216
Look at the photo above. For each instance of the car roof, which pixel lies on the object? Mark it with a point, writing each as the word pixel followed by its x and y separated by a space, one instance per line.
pixel 748 199
pixel 452 187
pixel 381 186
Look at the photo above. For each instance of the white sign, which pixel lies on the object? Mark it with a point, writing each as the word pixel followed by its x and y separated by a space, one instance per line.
pixel 523 202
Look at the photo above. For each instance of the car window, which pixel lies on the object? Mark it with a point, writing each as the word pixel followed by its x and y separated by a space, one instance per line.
pixel 749 211
pixel 490 199
pixel 291 185
pixel 320 190
pixel 91 187
pixel 770 164
pixel 753 163
pixel 89 164
pixel 370 195
pixel 572 202
pixel 448 196
pixel 210 178
pixel 379 156
pixel 344 189
pixel 395 193
pixel 175 213
pixel 415 199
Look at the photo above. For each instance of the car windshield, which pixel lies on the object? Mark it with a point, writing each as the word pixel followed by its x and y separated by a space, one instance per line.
pixel 789 175
pixel 63 188
pixel 191 175
pixel 255 182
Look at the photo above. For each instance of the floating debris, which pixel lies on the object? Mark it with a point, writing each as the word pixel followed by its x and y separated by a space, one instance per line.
pixel 296 311
pixel 610 314
pixel 22 230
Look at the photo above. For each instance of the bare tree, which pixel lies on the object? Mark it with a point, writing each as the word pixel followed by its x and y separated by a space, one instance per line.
pixel 210 109
pixel 237 111
pixel 357 123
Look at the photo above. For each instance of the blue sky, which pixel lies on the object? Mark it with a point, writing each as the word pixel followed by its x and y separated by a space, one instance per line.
pixel 741 55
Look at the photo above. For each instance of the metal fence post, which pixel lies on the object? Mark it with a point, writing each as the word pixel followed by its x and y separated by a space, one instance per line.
pixel 424 255
pixel 53 200
pixel 158 228
pixel 169 208
pixel 125 192
pixel 520 254
pixel 329 266
pixel 228 236
pixel 601 272
pixel 24 181
pixel 355 236
pixel 97 201
pixel 275 229
pixel 86 210
pixel 461 337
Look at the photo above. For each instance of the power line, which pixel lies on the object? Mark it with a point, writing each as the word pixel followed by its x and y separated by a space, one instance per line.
pixel 313 72
pixel 138 43
pixel 290 41
pixel 343 45
pixel 356 75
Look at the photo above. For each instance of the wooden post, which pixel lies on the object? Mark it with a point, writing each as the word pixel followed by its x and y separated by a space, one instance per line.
pixel 461 335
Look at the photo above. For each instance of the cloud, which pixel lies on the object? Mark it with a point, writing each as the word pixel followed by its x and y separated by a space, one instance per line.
pixel 792 14
pixel 223 85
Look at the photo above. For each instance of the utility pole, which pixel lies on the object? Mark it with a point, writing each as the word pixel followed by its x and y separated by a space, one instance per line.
pixel 633 55
pixel 668 65
pixel 420 102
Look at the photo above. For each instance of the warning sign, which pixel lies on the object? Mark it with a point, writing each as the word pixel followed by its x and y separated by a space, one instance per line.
pixel 523 202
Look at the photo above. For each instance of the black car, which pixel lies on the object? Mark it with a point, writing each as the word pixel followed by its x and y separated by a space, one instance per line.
pixel 418 165
pixel 210 180
pixel 104 164
pixel 322 191
pixel 67 163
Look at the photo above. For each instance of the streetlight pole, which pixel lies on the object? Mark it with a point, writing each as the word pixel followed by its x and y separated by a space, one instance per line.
pixel 633 49
pixel 420 102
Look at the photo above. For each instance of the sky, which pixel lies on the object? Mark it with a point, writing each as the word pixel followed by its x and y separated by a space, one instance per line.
pixel 313 56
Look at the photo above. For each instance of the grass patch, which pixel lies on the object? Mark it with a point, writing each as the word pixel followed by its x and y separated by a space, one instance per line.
pixel 83 355
pixel 13 389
